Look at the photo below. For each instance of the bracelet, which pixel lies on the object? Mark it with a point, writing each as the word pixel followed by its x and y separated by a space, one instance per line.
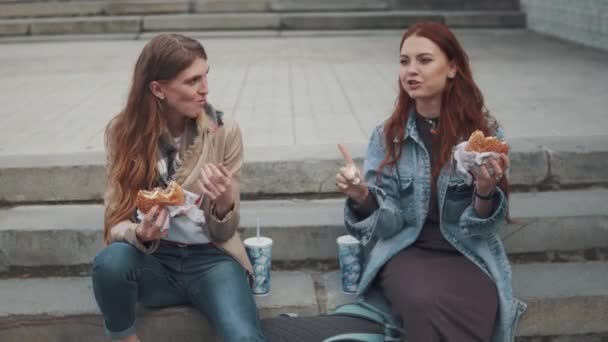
pixel 488 197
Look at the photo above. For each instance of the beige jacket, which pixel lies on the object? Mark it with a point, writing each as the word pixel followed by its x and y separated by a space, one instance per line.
pixel 210 144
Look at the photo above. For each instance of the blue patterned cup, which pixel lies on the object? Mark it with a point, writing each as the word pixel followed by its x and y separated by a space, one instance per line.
pixel 350 256
pixel 259 251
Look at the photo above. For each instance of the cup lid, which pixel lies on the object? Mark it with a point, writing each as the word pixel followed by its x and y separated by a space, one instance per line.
pixel 347 240
pixel 258 241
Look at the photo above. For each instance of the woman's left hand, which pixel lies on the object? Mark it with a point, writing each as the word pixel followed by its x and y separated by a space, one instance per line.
pixel 489 174
pixel 215 181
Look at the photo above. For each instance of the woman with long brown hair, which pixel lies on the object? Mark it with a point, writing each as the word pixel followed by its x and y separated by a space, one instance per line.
pixel 169 132
pixel 431 236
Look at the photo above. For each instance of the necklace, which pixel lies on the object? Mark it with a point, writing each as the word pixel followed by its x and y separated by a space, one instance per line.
pixel 433 123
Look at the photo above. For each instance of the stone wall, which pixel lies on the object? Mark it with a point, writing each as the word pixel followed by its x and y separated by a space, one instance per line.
pixel 581 21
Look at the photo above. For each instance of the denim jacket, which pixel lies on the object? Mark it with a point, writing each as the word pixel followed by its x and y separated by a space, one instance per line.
pixel 403 195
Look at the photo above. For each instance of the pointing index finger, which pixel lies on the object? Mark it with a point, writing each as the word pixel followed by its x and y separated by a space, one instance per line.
pixel 347 157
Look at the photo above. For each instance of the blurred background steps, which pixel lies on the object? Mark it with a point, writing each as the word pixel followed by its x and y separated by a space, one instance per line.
pixel 32 9
pixel 256 21
pixel 138 16
pixel 63 8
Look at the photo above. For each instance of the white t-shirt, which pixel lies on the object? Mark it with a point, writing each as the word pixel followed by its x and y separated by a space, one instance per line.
pixel 181 228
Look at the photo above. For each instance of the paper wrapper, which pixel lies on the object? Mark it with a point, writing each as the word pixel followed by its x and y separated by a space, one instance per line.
pixel 467 161
pixel 190 208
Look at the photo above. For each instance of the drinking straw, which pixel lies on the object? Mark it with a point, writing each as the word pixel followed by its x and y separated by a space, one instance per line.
pixel 257 228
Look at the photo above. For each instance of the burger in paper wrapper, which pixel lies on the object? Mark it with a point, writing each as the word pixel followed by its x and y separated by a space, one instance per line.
pixel 480 143
pixel 175 199
pixel 474 152
pixel 173 195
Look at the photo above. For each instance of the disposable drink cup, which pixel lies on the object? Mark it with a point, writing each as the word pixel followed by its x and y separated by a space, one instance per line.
pixel 259 251
pixel 350 256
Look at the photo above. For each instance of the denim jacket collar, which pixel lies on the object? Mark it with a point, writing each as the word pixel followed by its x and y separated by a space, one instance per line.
pixel 411 129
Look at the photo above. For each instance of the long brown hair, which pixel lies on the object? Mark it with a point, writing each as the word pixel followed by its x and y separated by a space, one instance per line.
pixel 131 136
pixel 462 106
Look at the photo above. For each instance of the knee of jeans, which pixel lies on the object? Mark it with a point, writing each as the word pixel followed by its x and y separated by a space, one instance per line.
pixel 230 269
pixel 115 261
pixel 229 274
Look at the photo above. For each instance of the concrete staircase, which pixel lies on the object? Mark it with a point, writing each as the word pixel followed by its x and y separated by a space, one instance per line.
pixel 133 17
pixel 565 300
pixel 49 235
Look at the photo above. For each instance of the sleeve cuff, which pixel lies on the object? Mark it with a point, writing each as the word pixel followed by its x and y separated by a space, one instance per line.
pixel 223 229
pixel 145 247
pixel 226 217
pixel 363 229
pixel 363 210
pixel 471 224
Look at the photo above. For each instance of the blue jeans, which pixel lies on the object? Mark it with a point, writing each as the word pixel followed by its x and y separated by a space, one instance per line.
pixel 200 275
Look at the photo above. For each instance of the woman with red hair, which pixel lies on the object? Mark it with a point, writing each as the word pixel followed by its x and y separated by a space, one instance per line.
pixel 431 237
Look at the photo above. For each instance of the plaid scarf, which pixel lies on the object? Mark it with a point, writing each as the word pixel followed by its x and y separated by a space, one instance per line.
pixel 169 156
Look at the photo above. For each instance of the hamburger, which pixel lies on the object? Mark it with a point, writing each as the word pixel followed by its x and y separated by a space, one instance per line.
pixel 480 143
pixel 173 195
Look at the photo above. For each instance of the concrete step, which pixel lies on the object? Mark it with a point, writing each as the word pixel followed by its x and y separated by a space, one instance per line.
pixel 57 8
pixel 257 21
pixel 400 19
pixel 127 7
pixel 460 5
pixel 550 226
pixel 50 8
pixel 71 25
pixel 25 9
pixel 409 5
pixel 299 170
pixel 567 302
pixel 328 5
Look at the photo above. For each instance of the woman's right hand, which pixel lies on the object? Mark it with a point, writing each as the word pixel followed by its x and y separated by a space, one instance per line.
pixel 349 181
pixel 151 226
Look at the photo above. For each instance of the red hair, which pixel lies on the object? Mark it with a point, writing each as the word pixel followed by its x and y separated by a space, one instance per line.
pixel 462 106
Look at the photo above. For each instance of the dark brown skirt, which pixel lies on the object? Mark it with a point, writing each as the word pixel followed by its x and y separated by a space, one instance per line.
pixel 439 296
